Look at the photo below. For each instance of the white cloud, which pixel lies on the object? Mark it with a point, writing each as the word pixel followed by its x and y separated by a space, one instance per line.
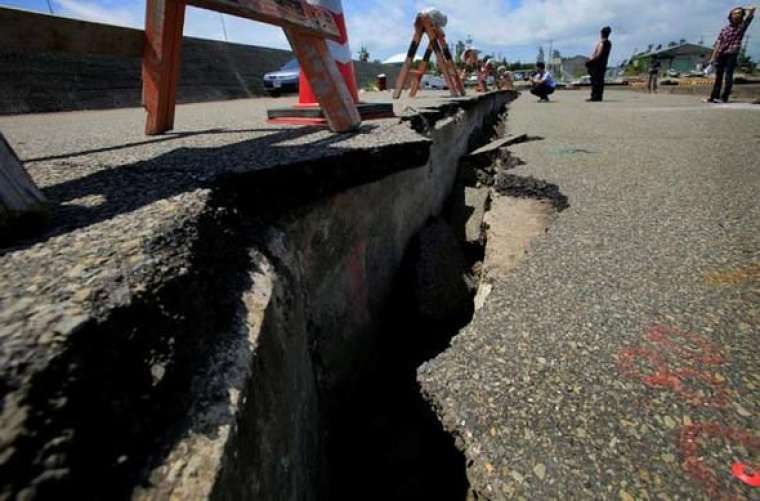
pixel 385 27
pixel 131 15
pixel 207 24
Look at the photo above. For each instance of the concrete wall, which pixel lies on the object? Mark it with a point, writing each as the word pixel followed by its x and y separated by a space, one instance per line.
pixel 55 76
pixel 320 283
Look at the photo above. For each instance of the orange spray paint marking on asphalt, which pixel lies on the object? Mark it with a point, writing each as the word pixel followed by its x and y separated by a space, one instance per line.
pixel 685 344
pixel 738 276
pixel 679 381
pixel 750 476
pixel 654 366
pixel 694 463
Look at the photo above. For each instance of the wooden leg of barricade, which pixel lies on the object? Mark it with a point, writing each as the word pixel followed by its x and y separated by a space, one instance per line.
pixel 440 58
pixel 401 81
pixel 19 196
pixel 328 85
pixel 161 62
pixel 449 65
pixel 482 82
pixel 417 81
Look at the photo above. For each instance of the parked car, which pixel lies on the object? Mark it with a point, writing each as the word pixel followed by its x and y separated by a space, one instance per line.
pixel 584 80
pixel 472 80
pixel 283 80
pixel 433 82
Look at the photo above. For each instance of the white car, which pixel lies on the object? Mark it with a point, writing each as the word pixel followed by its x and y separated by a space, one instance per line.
pixel 472 80
pixel 433 82
pixel 584 80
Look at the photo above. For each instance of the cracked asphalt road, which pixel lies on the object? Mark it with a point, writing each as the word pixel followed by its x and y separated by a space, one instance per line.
pixel 620 358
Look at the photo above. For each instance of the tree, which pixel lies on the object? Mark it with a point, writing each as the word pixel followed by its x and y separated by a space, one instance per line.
pixel 363 54
pixel 458 52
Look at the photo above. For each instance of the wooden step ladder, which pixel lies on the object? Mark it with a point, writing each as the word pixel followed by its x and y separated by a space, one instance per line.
pixel 425 24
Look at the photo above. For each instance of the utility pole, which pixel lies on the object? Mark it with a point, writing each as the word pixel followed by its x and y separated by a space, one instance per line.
pixel 745 53
pixel 551 57
pixel 224 27
pixel 50 7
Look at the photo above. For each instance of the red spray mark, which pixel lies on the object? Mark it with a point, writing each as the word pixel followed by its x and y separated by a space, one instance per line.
pixel 630 359
pixel 695 386
pixel 694 464
pixel 674 362
pixel 686 345
pixel 750 476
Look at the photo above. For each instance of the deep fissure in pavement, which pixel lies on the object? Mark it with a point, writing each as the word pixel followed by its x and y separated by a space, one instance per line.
pixel 387 442
pixel 385 439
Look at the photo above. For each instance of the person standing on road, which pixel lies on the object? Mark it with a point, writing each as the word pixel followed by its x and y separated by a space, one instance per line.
pixel 654 74
pixel 597 65
pixel 726 52
pixel 542 83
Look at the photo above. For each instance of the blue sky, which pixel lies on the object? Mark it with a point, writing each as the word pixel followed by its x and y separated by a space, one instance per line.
pixel 512 28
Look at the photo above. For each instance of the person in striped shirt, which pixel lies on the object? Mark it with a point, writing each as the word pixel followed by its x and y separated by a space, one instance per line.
pixel 726 53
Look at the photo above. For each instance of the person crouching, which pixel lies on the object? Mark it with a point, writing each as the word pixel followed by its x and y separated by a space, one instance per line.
pixel 542 83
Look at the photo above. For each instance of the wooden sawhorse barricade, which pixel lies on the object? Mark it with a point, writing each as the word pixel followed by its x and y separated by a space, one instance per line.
pixel 430 23
pixel 22 204
pixel 307 27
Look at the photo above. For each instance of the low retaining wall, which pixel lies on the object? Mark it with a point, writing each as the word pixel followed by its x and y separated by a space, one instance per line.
pixel 99 66
pixel 206 371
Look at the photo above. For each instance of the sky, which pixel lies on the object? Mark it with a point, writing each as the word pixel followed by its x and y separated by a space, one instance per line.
pixel 513 29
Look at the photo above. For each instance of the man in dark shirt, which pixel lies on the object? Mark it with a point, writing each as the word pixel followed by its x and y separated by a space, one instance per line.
pixel 654 74
pixel 597 65
pixel 726 52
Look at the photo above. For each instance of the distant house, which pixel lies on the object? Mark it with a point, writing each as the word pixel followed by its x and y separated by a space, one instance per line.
pixel 681 57
pixel 574 66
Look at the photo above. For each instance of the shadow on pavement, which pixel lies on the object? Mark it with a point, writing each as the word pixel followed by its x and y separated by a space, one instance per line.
pixel 264 163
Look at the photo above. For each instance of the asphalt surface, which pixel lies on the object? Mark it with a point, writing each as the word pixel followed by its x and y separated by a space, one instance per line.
pixel 620 358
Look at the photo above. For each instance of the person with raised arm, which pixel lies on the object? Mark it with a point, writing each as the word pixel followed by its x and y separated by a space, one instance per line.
pixel 726 52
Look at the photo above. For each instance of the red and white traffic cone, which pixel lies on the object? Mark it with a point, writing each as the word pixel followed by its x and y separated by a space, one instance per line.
pixel 308 111
pixel 341 51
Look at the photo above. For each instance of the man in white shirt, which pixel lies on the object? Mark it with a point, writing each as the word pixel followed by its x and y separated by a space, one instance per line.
pixel 542 83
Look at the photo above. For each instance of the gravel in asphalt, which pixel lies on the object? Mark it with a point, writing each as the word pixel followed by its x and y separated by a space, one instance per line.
pixel 620 358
